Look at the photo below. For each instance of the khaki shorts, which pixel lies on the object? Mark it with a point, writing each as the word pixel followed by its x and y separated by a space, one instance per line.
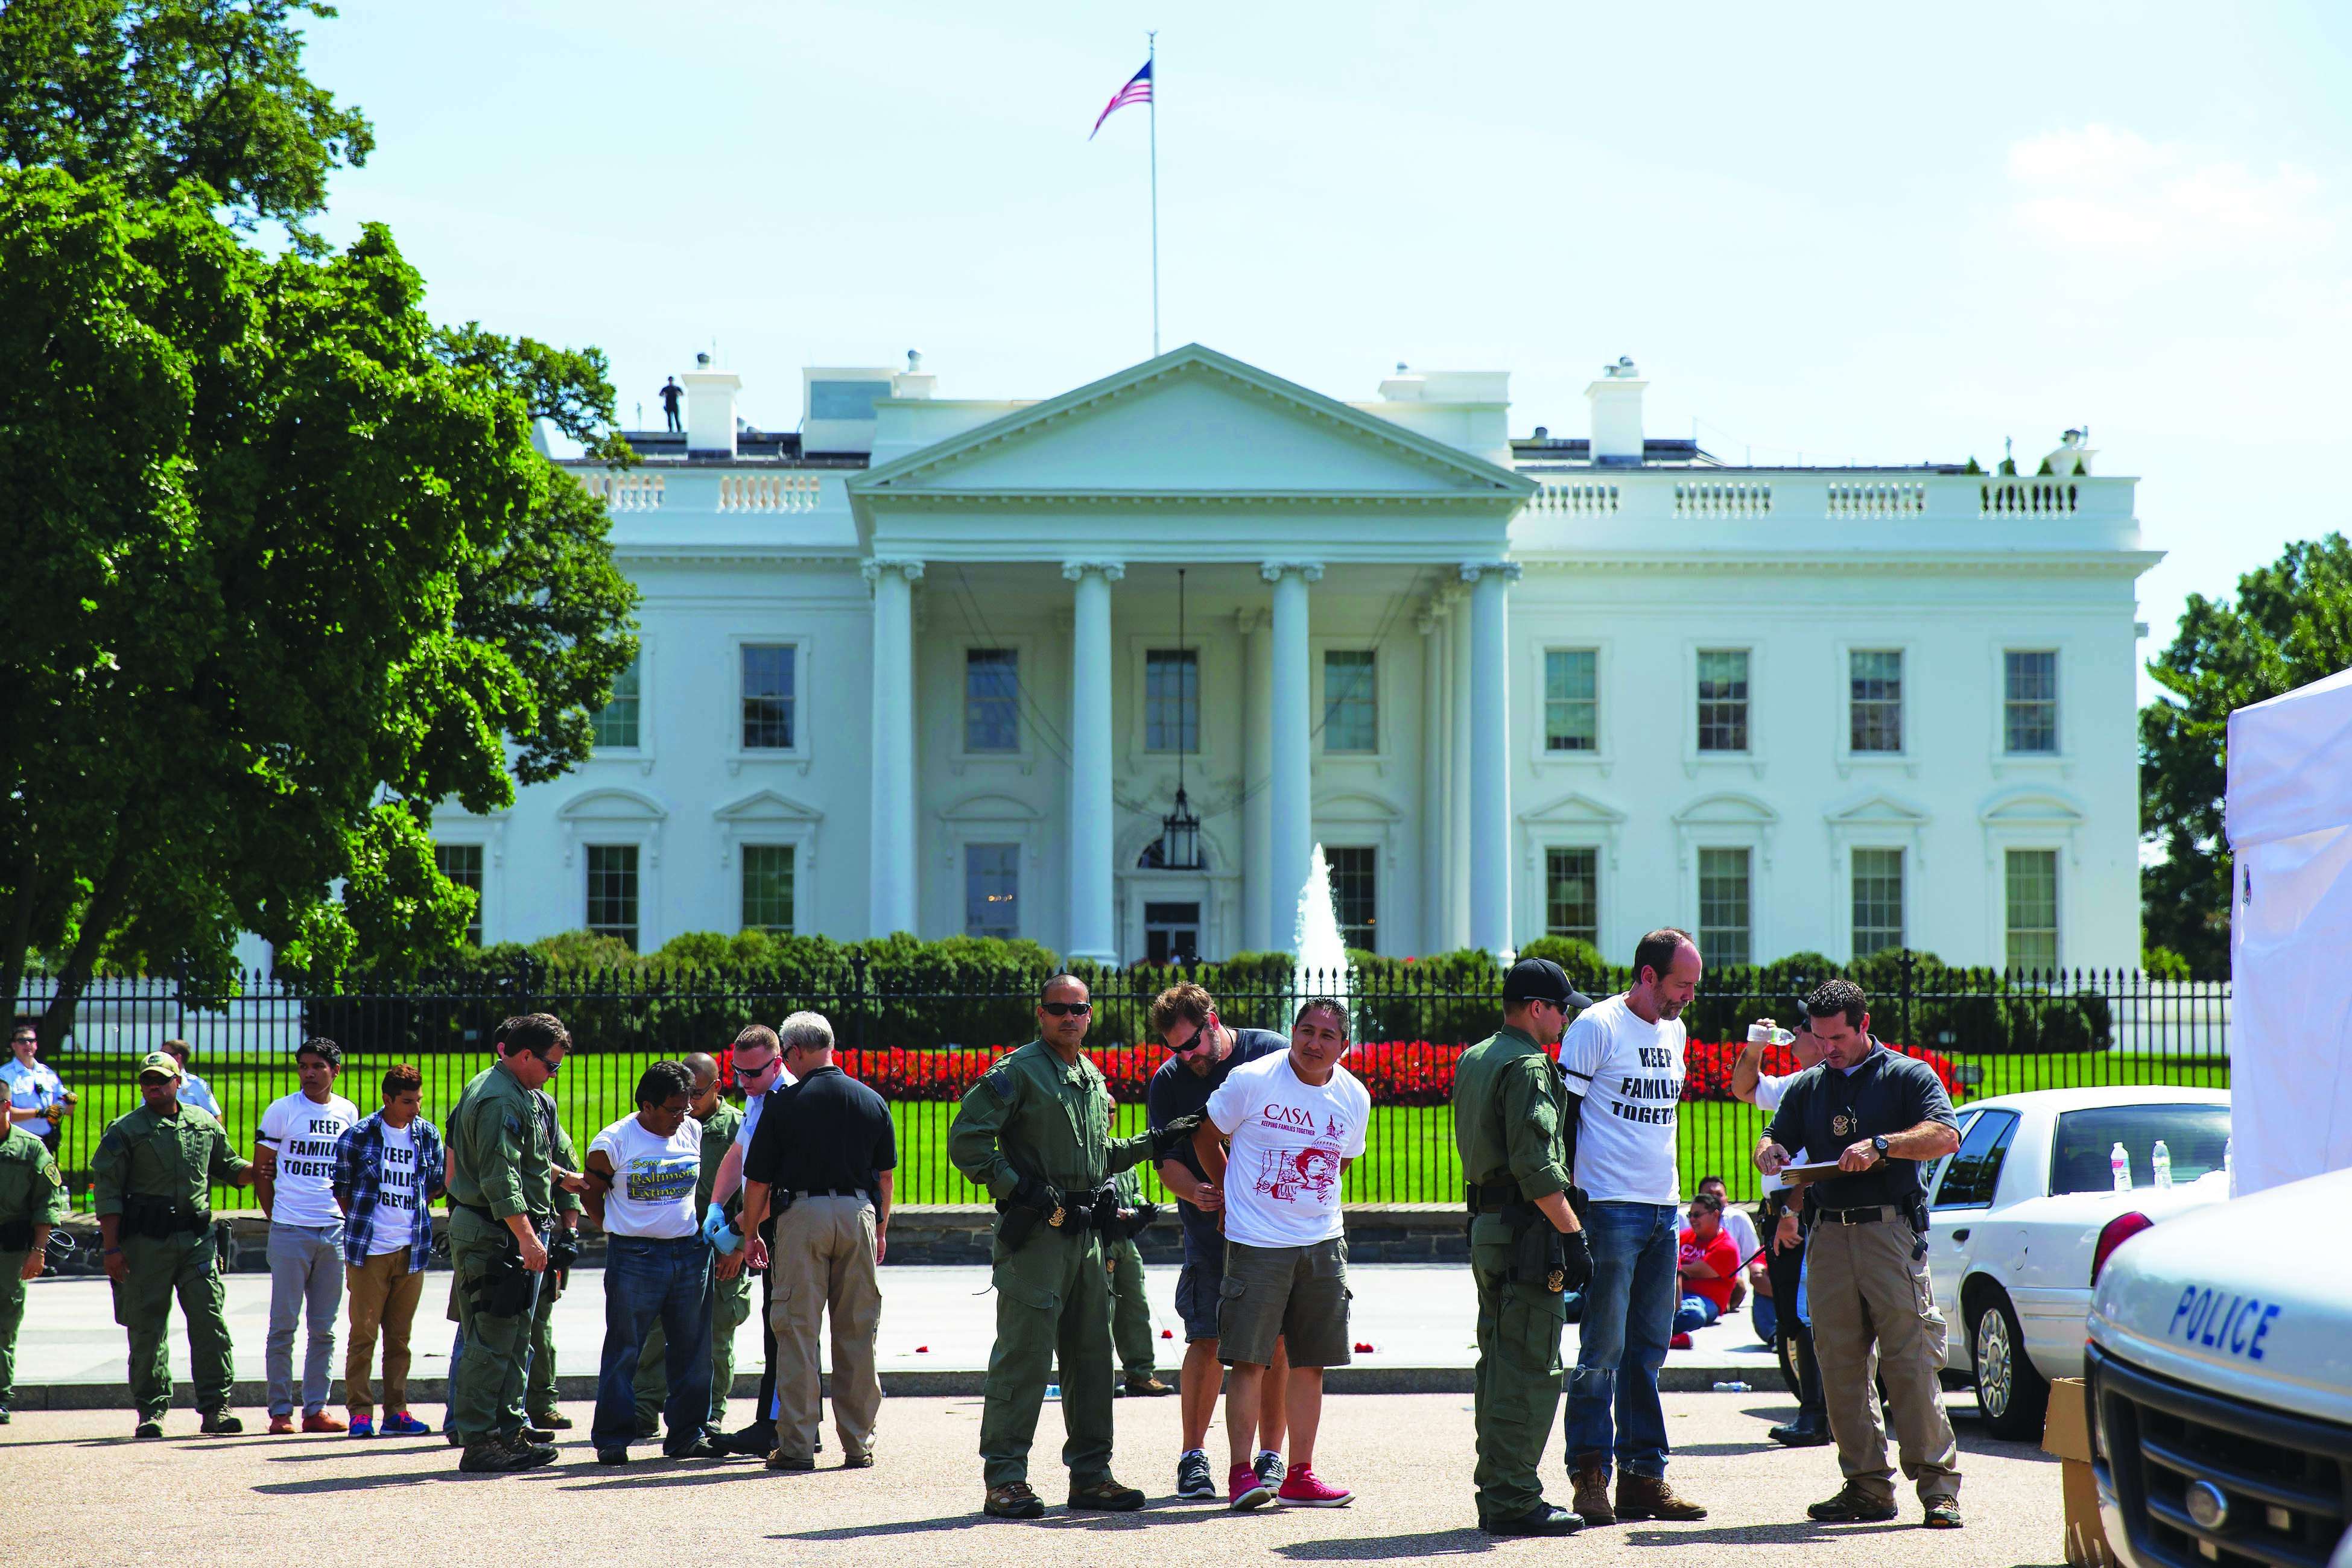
pixel 1296 1294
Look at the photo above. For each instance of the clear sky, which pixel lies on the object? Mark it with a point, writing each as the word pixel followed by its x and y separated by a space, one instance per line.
pixel 1857 233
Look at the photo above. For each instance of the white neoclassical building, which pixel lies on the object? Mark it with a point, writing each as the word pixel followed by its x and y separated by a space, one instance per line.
pixel 919 666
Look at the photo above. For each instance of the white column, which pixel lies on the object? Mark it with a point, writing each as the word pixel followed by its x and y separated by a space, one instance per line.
pixel 1457 771
pixel 1434 731
pixel 1092 926
pixel 890 905
pixel 1290 806
pixel 1490 758
pixel 1257 752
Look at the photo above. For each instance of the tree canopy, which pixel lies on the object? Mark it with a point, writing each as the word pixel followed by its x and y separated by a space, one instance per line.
pixel 157 93
pixel 284 569
pixel 2290 625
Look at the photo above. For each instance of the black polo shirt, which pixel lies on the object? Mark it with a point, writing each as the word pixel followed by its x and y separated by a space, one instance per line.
pixel 827 1131
pixel 1826 1111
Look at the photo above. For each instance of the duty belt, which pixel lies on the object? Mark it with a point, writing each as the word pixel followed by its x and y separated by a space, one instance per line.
pixel 1491 1198
pixel 1870 1216
pixel 800 1192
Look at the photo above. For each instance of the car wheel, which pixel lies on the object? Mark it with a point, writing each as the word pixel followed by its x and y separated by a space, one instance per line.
pixel 2010 1395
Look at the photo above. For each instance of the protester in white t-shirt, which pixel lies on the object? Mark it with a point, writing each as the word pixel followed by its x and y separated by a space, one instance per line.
pixel 388 1172
pixel 1297 1120
pixel 1621 1062
pixel 294 1176
pixel 642 1171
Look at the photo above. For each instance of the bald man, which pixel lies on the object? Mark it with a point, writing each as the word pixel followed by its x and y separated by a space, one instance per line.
pixel 731 1299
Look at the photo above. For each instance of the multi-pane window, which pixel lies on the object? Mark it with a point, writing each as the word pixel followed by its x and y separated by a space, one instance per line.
pixel 1723 699
pixel 462 863
pixel 612 891
pixel 991 888
pixel 615 724
pixel 2032 901
pixel 1351 709
pixel 768 888
pixel 1874 693
pixel 992 699
pixel 1572 894
pixel 1877 901
pixel 1171 699
pixel 770 696
pixel 2029 701
pixel 1352 895
pixel 1725 932
pixel 1572 699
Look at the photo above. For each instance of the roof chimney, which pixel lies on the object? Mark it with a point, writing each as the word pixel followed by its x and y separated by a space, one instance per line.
pixel 1616 400
pixel 711 409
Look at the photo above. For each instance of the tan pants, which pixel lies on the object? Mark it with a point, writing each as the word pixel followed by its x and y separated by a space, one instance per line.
pixel 384 1294
pixel 823 1260
pixel 1871 1300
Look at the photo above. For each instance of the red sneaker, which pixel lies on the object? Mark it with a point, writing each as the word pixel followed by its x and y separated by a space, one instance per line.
pixel 1245 1491
pixel 1304 1489
pixel 1680 1342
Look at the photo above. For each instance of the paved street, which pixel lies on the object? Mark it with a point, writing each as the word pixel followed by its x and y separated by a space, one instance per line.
pixel 189 1500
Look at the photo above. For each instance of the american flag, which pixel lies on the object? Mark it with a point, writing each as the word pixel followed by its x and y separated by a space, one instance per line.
pixel 1137 90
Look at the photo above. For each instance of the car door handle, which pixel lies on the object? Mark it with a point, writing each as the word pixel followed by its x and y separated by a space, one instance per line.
pixel 1958 1237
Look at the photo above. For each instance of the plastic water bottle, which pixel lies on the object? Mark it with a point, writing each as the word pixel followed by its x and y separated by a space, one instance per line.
pixel 1731 1388
pixel 2160 1161
pixel 2120 1163
pixel 1053 1391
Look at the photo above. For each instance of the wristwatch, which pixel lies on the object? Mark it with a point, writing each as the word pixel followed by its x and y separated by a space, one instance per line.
pixel 1879 1144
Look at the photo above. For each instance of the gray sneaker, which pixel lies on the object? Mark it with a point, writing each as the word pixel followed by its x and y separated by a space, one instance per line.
pixel 1271 1471
pixel 1192 1477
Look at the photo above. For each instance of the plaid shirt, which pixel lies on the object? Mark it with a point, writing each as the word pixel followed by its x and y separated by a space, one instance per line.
pixel 359 1183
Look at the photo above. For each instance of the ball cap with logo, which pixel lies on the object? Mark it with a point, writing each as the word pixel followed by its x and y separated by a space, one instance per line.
pixel 1541 981
pixel 159 1063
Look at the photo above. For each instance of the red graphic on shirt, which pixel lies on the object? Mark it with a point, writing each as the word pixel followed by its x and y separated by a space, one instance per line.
pixel 1307 1176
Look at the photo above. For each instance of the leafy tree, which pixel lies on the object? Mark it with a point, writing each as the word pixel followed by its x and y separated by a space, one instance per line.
pixel 285 568
pixel 156 93
pixel 2291 625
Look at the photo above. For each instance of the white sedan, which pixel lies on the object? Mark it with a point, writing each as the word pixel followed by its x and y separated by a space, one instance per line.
pixel 2027 1210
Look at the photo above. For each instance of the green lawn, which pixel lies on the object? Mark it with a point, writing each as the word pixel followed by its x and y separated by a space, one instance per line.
pixel 1408 1154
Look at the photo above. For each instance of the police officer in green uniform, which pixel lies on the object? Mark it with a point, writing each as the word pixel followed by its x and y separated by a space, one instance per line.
pixel 731 1298
pixel 32 1200
pixel 563 1241
pixel 1131 1308
pixel 1528 1248
pixel 1036 1131
pixel 501 1201
pixel 154 1169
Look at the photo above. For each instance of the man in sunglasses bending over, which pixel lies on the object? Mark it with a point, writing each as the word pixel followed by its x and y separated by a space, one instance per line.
pixel 1036 1133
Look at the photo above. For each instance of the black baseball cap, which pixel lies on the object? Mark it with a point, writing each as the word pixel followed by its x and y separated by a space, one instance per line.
pixel 1541 981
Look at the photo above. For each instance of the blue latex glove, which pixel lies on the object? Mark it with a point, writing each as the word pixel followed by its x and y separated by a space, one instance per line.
pixel 718 1232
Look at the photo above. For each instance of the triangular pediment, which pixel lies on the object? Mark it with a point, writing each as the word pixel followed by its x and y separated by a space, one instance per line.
pixel 1727 809
pixel 1574 808
pixel 1877 812
pixel 767 806
pixel 991 808
pixel 1191 423
pixel 2031 808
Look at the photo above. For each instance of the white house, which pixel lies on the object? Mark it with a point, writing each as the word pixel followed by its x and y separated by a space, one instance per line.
pixel 918 666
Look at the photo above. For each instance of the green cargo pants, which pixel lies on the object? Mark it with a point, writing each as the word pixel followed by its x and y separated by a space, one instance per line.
pixel 731 1304
pixel 1130 1310
pixel 538 1393
pixel 161 1268
pixel 1053 1301
pixel 1519 1378
pixel 12 1314
pixel 487 1395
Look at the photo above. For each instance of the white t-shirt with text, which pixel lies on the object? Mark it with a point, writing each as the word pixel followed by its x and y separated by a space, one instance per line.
pixel 1630 1073
pixel 304 1136
pixel 652 1180
pixel 1770 1091
pixel 1289 1141
pixel 399 1194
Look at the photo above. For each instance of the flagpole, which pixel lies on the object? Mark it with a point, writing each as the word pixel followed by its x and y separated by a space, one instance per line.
pixel 1152 59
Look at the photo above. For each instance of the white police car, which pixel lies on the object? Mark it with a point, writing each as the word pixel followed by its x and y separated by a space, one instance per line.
pixel 2220 1374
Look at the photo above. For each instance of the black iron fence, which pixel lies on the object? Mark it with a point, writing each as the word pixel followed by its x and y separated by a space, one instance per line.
pixel 921 1042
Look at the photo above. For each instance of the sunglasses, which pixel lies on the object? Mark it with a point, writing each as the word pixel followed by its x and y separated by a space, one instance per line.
pixel 1066 1009
pixel 745 1074
pixel 1204 1036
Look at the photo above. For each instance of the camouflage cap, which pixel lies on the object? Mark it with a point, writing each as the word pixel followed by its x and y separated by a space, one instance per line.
pixel 159 1062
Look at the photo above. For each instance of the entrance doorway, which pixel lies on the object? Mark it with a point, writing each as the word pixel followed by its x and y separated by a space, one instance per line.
pixel 1171 933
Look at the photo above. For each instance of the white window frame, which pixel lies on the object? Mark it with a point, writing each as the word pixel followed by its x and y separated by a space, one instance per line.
pixel 1574 821
pixel 801 752
pixel 1603 755
pixel 1383 884
pixel 2058 854
pixel 1848 760
pixel 1217 655
pixel 1023 882
pixel 604 840
pixel 1024 756
pixel 1384 700
pixel 1694 760
pixel 474 834
pixel 1603 863
pixel 1871 840
pixel 1704 840
pixel 590 817
pixel 1144 648
pixel 991 816
pixel 642 753
pixel 1729 820
pixel 764 839
pixel 2005 761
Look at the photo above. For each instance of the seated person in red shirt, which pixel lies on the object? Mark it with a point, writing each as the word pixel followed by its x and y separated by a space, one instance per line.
pixel 1710 1264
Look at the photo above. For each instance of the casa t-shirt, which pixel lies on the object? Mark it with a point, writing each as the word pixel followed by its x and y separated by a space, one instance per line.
pixel 304 1135
pixel 653 1178
pixel 1289 1141
pixel 1718 1254
pixel 399 1193
pixel 1630 1072
pixel 1770 1091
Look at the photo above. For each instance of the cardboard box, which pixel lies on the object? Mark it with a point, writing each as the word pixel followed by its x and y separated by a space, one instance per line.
pixel 2067 1435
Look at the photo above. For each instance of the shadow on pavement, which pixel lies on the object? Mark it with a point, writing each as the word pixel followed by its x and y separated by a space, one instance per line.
pixel 1385 1548
pixel 1752 1534
pixel 1716 1450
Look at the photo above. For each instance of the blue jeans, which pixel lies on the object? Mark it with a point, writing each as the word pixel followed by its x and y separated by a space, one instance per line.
pixel 1629 1315
pixel 648 1280
pixel 1766 1314
pixel 306 1276
pixel 1695 1313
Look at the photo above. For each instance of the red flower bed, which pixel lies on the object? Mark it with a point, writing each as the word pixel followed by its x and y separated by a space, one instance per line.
pixel 1397 1072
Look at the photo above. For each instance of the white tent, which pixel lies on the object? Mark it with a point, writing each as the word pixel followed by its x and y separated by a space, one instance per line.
pixel 2290 826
